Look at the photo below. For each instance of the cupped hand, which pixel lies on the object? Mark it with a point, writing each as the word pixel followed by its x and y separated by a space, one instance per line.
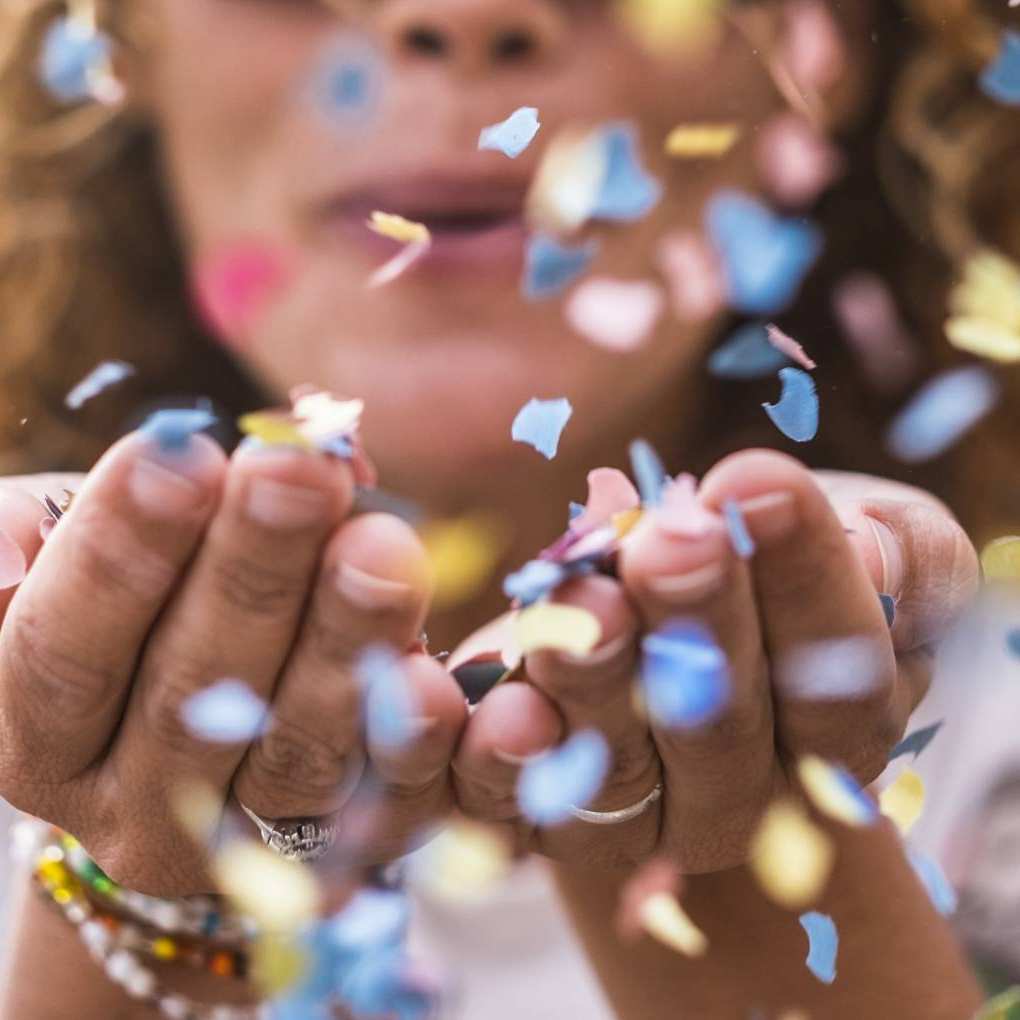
pixel 172 571
pixel 792 620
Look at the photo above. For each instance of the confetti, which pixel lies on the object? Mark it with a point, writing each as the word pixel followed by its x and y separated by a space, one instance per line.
pixel 916 742
pixel 941 413
pixel 399 264
pixel 104 375
pixel 463 552
pixel 1000 559
pixel 540 423
pixel 686 514
pixel 888 604
pixel 701 141
pixel 836 670
pixel 813 49
pixel 694 272
pixel 462 863
pixel 671 26
pixel 172 428
pixel 1013 642
pixel 1000 1007
pixel 372 918
pixel 835 792
pixel 796 161
pixel 609 492
pixel 392 713
pixel 986 308
pixel 796 414
pixel 348 82
pixel 316 420
pixel 396 228
pixel 664 919
pixel 747 354
pixel 685 679
pixel 513 135
pixel 228 712
pixel 740 537
pixel 615 314
pixel 903 800
pixel 535 580
pixel 555 627
pixel 765 258
pixel 790 856
pixel 567 182
pixel 649 472
pixel 550 267
pixel 628 191
pixel 788 346
pixel 74 64
pixel 569 776
pixel 823 944
pixel 271 429
pixel 1001 78
pixel 933 878
pixel 13 565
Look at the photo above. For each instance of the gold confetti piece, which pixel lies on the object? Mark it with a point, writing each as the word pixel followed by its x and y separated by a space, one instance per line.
pixel 549 625
pixel 280 895
pixel 669 26
pixel 985 308
pixel 463 862
pixel 984 338
pixel 625 520
pixel 664 919
pixel 199 809
pixel 273 429
pixel 790 856
pixel 399 229
pixel 903 800
pixel 463 552
pixel 1000 559
pixel 277 964
pixel 831 795
pixel 701 141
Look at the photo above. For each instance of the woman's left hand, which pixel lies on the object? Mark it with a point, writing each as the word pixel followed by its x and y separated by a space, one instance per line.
pixel 826 546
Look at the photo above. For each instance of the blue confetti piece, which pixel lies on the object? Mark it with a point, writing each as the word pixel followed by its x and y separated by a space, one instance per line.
pixel 72 53
pixel 866 809
pixel 540 423
pixel 104 375
pixel 628 191
pixel 684 676
pixel 569 776
pixel 916 742
pixel 372 919
pixel 550 267
pixel 740 537
pixel 823 945
pixel 1013 642
pixel 747 354
pixel 513 135
pixel 534 581
pixel 229 712
pixel 765 258
pixel 649 472
pixel 1001 78
pixel 172 428
pixel 888 604
pixel 389 704
pixel 574 511
pixel 933 878
pixel 941 413
pixel 380 984
pixel 348 83
pixel 796 414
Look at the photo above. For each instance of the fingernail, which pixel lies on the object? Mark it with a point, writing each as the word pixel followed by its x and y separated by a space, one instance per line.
pixel 600 655
pixel 518 760
pixel 421 726
pixel 892 556
pixel 278 505
pixel 691 586
pixel 13 565
pixel 162 488
pixel 771 516
pixel 368 591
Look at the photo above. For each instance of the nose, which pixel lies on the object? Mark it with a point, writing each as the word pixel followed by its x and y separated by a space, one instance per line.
pixel 473 35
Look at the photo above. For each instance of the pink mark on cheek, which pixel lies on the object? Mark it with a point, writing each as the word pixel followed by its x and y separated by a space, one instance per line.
pixel 233 287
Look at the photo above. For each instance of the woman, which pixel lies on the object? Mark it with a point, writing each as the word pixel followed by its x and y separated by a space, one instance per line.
pixel 177 568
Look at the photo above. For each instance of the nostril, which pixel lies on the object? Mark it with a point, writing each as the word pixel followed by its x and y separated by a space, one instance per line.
pixel 513 44
pixel 426 41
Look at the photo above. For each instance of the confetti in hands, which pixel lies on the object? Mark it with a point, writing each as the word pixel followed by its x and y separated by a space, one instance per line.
pixel 569 776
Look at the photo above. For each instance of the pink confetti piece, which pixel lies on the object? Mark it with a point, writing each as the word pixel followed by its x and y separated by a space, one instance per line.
pixel 785 343
pixel 687 517
pixel 813 50
pixel 616 314
pixel 609 492
pixel 654 878
pixel 695 276
pixel 797 162
pixel 399 264
pixel 13 565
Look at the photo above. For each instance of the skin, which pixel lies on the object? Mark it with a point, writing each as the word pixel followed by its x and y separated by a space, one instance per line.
pixel 172 571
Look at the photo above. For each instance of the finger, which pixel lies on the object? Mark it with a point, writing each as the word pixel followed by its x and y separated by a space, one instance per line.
pixel 73 632
pixel 20 539
pixel 833 668
pixel 373 587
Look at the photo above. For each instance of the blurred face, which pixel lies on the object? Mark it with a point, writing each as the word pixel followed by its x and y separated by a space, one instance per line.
pixel 445 355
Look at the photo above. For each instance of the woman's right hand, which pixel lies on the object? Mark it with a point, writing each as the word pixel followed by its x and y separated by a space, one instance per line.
pixel 171 571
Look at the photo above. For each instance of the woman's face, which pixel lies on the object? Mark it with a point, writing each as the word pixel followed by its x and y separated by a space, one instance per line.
pixel 445 355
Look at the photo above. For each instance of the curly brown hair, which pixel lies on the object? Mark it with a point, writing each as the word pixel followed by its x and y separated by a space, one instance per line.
pixel 90 268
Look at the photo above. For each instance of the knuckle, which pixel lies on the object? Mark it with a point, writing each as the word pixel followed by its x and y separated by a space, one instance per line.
pixel 332 643
pixel 254 588
pixel 289 757
pixel 161 704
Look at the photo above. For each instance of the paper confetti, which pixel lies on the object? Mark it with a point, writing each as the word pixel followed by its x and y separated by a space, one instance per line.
pixel 104 375
pixel 513 135
pixel 736 526
pixel 13 565
pixel 74 64
pixel 813 51
pixel 701 141
pixel 687 515
pixel 765 258
pixel 797 163
pixel 462 863
pixel 1013 642
pixel 540 423
pixel 463 552
pixel 835 792
pixel 985 308
pixel 685 680
pixel 1000 559
pixel 664 919
pixel 392 712
pixel 228 712
pixel 933 878
pixel 788 346
pixel 1001 78
pixel 747 354
pixel 555 627
pixel 397 228
pixel 609 492
pixel 790 856
pixel 628 191
pixel 938 416
pixel 836 670
pixel 888 604
pixel 669 27
pixel 172 428
pixel 914 743
pixel 649 472
pixel 535 580
pixel 347 84
pixel 616 314
pixel 694 271
pixel 567 182
pixel 823 945
pixel 903 800
pixel 569 776
pixel 550 267
pixel 796 414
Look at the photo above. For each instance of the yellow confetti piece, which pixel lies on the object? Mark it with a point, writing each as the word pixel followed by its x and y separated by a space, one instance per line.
pixel 463 552
pixel 985 307
pixel 399 229
pixel 669 26
pixel 273 429
pixel 903 800
pixel 1001 1006
pixel 701 141
pixel 1000 559
pixel 567 182
pixel 664 919
pixel 464 861
pixel 830 794
pixel 790 856
pixel 278 894
pixel 549 625
pixel 625 520
pixel 198 809
pixel 277 963
pixel 984 338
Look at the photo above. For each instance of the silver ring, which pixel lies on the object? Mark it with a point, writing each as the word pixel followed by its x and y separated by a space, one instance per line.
pixel 621 815
pixel 296 839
